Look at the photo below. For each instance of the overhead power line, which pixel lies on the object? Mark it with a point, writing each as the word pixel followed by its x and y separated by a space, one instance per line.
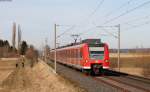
pixel 127 12
pixel 138 25
pixel 116 10
pixel 139 6
pixel 85 31
pixel 93 12
pixel 98 6
pixel 136 19
pixel 66 31
pixel 110 33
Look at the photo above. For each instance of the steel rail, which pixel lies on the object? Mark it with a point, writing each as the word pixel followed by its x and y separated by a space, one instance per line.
pixel 128 76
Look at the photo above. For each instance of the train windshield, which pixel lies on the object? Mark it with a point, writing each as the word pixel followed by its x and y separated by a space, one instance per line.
pixel 96 53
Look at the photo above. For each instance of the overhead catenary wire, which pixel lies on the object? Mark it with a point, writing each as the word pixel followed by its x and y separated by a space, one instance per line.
pixel 66 31
pixel 127 12
pixel 102 28
pixel 84 32
pixel 98 6
pixel 138 25
pixel 131 10
pixel 71 28
pixel 90 15
pixel 93 12
pixel 116 10
pixel 110 33
pixel 136 19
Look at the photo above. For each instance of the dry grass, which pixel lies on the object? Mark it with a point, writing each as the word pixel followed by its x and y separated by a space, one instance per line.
pixel 6 68
pixel 39 78
pixel 7 64
pixel 132 63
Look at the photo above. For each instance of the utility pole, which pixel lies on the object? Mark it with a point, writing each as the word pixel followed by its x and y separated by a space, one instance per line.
pixel 55 26
pixel 45 52
pixel 57 45
pixel 0 34
pixel 118 38
pixel 118 47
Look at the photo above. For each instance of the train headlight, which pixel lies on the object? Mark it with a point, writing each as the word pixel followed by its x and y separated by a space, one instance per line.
pixel 106 60
pixel 96 61
pixel 86 61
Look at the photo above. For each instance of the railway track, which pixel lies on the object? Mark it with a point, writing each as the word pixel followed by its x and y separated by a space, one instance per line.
pixel 132 78
pixel 129 76
pixel 109 82
pixel 134 83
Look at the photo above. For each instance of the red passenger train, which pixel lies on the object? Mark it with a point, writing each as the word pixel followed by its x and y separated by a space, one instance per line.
pixel 91 55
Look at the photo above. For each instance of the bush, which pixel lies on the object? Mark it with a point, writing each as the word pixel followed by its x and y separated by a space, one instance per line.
pixel 32 55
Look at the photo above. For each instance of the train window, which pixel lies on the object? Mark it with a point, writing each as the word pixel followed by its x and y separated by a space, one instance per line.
pixel 96 52
pixel 76 53
pixel 80 53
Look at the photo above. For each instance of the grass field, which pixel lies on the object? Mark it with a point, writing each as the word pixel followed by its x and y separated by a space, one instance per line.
pixel 138 64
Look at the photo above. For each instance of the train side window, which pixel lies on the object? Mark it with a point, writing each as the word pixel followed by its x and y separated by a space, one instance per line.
pixel 80 54
pixel 75 52
pixel 67 53
pixel 72 53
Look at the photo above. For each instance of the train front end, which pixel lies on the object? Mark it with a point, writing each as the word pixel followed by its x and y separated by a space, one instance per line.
pixel 97 57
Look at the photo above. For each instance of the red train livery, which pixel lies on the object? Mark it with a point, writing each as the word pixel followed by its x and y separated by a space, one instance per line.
pixel 90 55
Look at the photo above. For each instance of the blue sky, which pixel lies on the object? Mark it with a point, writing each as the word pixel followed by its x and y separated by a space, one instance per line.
pixel 37 19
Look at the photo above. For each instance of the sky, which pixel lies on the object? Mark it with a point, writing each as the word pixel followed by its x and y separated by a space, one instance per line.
pixel 88 18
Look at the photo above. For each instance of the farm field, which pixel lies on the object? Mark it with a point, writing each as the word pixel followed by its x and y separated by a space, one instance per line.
pixel 128 55
pixel 136 64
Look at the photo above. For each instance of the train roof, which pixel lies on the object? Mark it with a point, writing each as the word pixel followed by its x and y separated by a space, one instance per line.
pixel 90 42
